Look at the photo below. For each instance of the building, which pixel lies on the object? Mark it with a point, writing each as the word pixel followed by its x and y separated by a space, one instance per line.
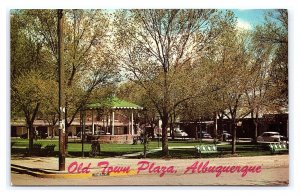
pixel 111 120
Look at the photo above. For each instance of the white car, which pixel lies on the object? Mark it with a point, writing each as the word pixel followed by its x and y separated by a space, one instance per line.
pixel 180 133
pixel 269 137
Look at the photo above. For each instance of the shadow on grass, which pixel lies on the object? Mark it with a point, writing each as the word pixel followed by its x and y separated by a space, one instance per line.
pixel 177 154
pixel 242 149
pixel 22 152
pixel 223 151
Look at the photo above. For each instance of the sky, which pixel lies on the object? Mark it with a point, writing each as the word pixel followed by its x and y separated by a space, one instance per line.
pixel 248 19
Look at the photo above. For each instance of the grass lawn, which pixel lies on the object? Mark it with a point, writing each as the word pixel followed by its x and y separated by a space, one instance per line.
pixel 72 146
pixel 224 151
pixel 75 149
pixel 109 150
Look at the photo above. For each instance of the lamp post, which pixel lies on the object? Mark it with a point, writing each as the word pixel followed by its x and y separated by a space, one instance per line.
pixel 61 73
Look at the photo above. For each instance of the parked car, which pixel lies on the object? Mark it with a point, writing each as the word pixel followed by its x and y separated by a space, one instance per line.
pixel 179 133
pixel 86 133
pixel 24 136
pixel 283 138
pixel 37 135
pixel 269 137
pixel 204 135
pixel 42 135
pixel 226 136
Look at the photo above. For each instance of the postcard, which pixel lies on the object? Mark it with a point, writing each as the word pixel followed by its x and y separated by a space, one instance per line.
pixel 149 97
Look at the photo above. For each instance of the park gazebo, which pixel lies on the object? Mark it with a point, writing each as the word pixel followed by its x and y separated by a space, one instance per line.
pixel 111 107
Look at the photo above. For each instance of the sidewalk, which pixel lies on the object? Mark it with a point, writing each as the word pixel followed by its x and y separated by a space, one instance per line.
pixel 47 167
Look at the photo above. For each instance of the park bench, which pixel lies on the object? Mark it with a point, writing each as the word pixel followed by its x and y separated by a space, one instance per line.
pixel 48 150
pixel 36 149
pixel 138 139
pixel 206 149
pixel 277 148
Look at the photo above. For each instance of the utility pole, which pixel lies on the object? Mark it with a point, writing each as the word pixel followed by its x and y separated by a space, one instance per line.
pixel 61 73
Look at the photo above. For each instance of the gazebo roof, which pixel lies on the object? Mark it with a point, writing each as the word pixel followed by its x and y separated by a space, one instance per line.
pixel 113 103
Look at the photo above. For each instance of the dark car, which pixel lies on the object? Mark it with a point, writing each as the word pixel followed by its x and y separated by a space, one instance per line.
pixel 37 135
pixel 226 136
pixel 86 133
pixel 88 136
pixel 24 136
pixel 204 135
pixel 284 138
pixel 42 135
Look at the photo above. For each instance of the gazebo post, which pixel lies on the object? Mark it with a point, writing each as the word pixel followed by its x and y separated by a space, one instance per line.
pixel 109 122
pixel 113 123
pixel 132 131
pixel 93 129
pixel 129 127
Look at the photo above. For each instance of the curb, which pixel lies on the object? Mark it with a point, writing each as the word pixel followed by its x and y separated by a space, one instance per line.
pixel 66 175
pixel 41 174
pixel 46 174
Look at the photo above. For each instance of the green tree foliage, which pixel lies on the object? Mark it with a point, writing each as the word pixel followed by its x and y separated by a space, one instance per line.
pixel 28 96
pixel 89 61
pixel 274 33
pixel 159 47
pixel 175 63
pixel 28 81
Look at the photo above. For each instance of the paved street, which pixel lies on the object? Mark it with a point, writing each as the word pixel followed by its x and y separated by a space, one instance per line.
pixel 276 176
pixel 275 171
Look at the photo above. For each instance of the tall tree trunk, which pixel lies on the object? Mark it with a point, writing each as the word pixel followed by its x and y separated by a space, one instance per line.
pixel 256 130
pixel 172 127
pixel 52 131
pixel 256 120
pixel 216 128
pixel 152 128
pixel 54 121
pixel 255 123
pixel 31 137
pixel 200 131
pixel 233 150
pixel 165 148
pixel 165 111
pixel 29 122
pixel 196 129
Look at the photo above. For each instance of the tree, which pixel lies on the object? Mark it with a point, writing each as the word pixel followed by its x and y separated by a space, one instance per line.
pixel 269 90
pixel 28 83
pixel 89 60
pixel 49 110
pixel 260 90
pixel 274 32
pixel 232 69
pixel 27 96
pixel 131 91
pixel 158 46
